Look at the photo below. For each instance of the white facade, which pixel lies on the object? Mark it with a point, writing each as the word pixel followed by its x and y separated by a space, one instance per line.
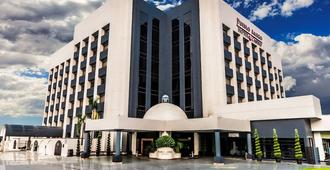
pixel 230 101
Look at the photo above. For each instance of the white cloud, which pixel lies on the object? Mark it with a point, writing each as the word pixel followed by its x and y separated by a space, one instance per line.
pixel 264 10
pixel 275 7
pixel 291 5
pixel 164 5
pixel 289 82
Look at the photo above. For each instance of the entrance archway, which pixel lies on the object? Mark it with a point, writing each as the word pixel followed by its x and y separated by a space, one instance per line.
pixel 58 148
pixel 35 146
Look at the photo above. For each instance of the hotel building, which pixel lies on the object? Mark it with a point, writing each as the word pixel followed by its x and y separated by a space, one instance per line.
pixel 200 71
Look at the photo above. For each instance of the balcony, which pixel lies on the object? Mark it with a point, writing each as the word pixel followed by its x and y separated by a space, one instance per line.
pixel 237 45
pixel 256 70
pixel 94 45
pixel 238 60
pixel 49 87
pixel 64 93
pixel 55 76
pixel 58 95
pixel 45 120
pixel 282 89
pixel 88 110
pixel 270 64
pixel 226 39
pixel 239 77
pixel 91 76
pixel 264 73
pixel 105 39
pixel 249 80
pixel 74 69
pixel 92 60
pixel 101 89
pixel 68 128
pixel 71 97
pixel 66 81
pixel 63 105
pixel 103 72
pixel 272 89
pixel 53 96
pixel 271 77
pixel 241 93
pixel 83 64
pixel 70 113
pixel 55 118
pixel 62 117
pixel 230 90
pixel 250 96
pixel 255 56
pixel 67 69
pixel 258 84
pixel 280 77
pixel 80 95
pixel 54 85
pixel 84 51
pixel 46 109
pixel 51 77
pixel 246 51
pixel 50 119
pixel 90 92
pixel 263 60
pixel 73 82
pixel 228 55
pixel 76 55
pixel 104 55
pixel 265 87
pixel 48 98
pixel 229 72
pixel 100 107
pixel 259 97
pixel 78 111
pixel 61 72
pixel 248 65
pixel 82 79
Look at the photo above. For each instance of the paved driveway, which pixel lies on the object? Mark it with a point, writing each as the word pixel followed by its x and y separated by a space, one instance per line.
pixel 31 161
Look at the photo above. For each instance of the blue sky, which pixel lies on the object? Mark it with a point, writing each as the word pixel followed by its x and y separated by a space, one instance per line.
pixel 301 29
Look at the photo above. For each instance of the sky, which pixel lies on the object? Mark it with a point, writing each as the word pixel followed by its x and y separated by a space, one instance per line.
pixel 32 30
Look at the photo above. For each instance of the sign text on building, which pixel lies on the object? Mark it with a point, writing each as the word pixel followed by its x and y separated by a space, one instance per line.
pixel 249 33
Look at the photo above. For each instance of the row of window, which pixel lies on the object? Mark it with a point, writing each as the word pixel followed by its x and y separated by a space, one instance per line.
pixel 78 83
pixel 262 71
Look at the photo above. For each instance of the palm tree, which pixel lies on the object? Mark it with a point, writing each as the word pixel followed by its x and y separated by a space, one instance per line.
pixel 80 123
pixel 93 105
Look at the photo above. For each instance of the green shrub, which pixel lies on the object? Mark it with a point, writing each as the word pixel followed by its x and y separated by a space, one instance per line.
pixel 257 144
pixel 297 147
pixel 178 147
pixel 165 141
pixel 276 146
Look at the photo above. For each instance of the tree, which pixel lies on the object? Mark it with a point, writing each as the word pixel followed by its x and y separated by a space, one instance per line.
pixel 109 145
pixel 80 123
pixel 93 105
pixel 257 144
pixel 276 146
pixel 297 147
pixel 98 145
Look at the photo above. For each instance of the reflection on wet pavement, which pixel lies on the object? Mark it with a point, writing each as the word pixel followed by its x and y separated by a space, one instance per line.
pixel 30 160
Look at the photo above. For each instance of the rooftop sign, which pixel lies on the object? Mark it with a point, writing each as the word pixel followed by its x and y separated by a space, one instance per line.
pixel 249 33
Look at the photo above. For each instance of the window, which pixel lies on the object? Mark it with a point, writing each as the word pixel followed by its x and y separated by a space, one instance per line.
pixel 175 62
pixel 155 62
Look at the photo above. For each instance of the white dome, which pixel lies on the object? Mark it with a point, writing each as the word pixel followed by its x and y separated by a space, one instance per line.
pixel 165 111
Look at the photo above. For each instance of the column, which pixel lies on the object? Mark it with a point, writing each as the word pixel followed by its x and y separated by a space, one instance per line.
pixel 196 144
pixel 134 135
pixel 218 158
pixel 319 145
pixel 249 145
pixel 117 157
pixel 85 153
